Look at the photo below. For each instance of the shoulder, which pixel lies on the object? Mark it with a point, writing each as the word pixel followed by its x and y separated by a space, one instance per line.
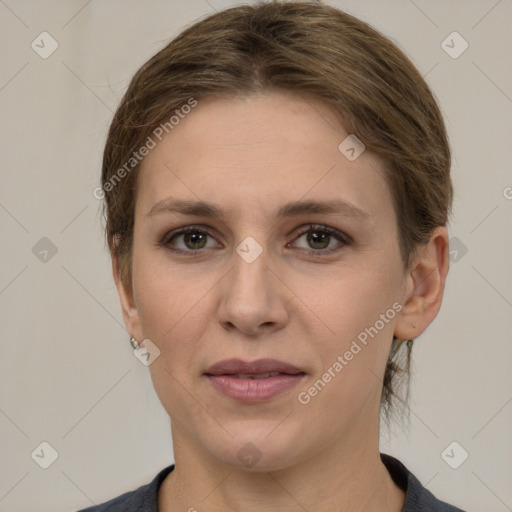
pixel 417 497
pixel 143 499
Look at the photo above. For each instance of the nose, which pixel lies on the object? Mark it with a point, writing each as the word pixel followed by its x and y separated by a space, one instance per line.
pixel 254 299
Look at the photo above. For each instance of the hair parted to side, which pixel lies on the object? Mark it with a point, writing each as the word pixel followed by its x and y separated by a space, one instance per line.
pixel 313 50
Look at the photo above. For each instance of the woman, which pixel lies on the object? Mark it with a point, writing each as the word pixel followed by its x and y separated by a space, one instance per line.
pixel 277 186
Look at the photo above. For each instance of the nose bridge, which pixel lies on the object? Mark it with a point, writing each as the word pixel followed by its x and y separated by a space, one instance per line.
pixel 250 295
pixel 250 269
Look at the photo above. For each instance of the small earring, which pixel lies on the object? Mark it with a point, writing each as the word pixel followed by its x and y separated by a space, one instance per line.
pixel 134 343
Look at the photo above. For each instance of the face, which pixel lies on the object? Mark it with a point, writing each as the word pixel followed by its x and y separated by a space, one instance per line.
pixel 264 274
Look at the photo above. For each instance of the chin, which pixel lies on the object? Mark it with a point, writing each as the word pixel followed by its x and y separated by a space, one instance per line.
pixel 257 449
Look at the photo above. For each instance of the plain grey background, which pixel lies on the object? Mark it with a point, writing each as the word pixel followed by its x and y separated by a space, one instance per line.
pixel 68 375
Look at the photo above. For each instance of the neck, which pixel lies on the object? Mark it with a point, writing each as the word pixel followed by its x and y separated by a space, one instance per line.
pixel 344 477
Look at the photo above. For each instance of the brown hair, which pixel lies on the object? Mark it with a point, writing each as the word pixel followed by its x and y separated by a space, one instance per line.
pixel 310 49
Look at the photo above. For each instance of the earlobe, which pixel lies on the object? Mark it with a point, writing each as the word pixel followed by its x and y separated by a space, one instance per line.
pixel 425 286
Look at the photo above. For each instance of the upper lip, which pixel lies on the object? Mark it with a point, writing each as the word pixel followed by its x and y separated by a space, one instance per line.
pixel 259 366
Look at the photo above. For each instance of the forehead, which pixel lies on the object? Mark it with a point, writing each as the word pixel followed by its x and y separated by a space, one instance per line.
pixel 257 153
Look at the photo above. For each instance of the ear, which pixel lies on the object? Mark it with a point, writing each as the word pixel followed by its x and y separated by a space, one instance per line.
pixel 424 288
pixel 128 306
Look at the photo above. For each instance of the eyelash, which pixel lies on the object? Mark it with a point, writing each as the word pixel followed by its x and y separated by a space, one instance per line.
pixel 341 237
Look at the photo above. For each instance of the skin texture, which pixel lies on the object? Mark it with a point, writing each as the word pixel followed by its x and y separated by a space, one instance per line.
pixel 249 156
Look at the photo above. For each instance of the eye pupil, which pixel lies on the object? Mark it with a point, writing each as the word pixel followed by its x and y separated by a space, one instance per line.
pixel 315 237
pixel 194 240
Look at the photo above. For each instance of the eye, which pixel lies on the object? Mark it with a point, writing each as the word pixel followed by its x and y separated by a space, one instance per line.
pixel 319 238
pixel 192 239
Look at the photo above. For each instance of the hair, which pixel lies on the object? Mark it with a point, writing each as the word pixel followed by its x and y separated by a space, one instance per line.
pixel 313 50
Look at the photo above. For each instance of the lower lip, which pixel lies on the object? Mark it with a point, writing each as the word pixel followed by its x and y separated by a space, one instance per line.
pixel 254 390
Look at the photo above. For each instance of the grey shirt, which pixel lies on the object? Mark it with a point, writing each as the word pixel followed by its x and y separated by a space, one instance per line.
pixel 417 498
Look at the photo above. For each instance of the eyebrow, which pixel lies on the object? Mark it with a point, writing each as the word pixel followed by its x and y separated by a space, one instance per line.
pixel 295 208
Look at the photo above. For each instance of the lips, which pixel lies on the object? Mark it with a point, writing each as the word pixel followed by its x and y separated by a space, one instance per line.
pixel 258 367
pixel 253 381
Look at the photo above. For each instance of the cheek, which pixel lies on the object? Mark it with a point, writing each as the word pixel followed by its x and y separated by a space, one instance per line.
pixel 353 359
pixel 170 304
pixel 355 299
pixel 173 312
pixel 359 307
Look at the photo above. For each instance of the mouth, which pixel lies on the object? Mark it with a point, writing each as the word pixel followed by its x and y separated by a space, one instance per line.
pixel 255 376
pixel 253 381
